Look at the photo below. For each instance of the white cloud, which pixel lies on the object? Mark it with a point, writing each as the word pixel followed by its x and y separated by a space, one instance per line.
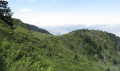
pixel 32 0
pixel 57 20
pixel 29 0
pixel 25 10
pixel 18 0
pixel 60 30
pixel 54 0
pixel 60 24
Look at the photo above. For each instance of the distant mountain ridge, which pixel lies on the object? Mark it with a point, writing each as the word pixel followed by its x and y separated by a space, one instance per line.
pixel 35 28
pixel 19 23
pixel 80 50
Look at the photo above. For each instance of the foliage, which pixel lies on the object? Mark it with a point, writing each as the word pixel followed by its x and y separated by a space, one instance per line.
pixel 19 23
pixel 5 13
pixel 82 50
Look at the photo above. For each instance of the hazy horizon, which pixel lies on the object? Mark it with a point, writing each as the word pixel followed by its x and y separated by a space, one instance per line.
pixel 63 16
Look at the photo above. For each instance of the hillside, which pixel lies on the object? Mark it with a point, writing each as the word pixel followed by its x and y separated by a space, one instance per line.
pixel 19 23
pixel 22 49
pixel 35 28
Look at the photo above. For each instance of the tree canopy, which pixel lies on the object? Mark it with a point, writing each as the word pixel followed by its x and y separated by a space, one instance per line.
pixel 5 13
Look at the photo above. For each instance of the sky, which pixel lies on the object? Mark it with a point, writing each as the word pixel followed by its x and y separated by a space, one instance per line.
pixel 63 16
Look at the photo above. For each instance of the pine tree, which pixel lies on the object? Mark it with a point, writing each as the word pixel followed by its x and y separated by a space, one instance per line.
pixel 5 13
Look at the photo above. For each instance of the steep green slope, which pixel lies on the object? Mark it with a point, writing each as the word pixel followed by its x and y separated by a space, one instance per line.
pixel 19 23
pixel 82 50
pixel 35 28
pixel 100 46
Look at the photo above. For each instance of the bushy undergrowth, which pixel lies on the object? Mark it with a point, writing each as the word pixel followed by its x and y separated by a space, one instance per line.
pixel 81 50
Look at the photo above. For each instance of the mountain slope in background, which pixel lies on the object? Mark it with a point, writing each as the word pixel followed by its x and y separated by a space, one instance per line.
pixel 35 28
pixel 22 49
pixel 19 23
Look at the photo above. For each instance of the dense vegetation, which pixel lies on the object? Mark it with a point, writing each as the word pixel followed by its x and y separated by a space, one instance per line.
pixel 5 13
pixel 19 23
pixel 28 48
pixel 22 49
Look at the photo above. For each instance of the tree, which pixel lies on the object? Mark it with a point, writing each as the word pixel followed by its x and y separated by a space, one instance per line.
pixel 108 69
pixel 75 57
pixel 5 13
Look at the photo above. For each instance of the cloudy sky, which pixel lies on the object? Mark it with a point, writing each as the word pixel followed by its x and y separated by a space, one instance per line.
pixel 63 16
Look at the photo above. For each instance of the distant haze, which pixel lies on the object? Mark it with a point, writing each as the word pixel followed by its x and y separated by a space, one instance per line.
pixel 62 24
pixel 58 15
pixel 60 30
